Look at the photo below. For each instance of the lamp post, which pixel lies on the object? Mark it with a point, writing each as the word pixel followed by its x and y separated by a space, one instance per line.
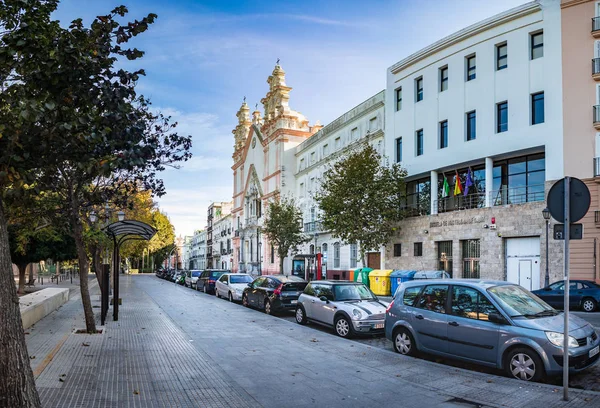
pixel 546 214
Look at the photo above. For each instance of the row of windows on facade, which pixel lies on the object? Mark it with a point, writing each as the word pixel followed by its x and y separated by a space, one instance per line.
pixel 470 254
pixel 325 151
pixel 537 117
pixel 536 51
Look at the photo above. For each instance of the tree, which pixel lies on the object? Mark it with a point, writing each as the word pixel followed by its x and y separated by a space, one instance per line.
pixel 361 199
pixel 283 228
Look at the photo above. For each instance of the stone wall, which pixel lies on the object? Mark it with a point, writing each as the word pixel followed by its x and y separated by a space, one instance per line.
pixel 522 220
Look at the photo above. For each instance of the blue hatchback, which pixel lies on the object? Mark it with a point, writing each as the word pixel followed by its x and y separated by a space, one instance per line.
pixel 583 294
pixel 493 323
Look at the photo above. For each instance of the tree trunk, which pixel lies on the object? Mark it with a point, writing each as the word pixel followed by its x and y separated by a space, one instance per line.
pixel 30 272
pixel 22 270
pixel 281 259
pixel 17 388
pixel 90 323
pixel 97 262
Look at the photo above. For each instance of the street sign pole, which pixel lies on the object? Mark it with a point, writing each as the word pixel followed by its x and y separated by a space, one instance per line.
pixel 566 304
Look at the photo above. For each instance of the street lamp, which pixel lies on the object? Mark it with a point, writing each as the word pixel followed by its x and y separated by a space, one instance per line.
pixel 546 214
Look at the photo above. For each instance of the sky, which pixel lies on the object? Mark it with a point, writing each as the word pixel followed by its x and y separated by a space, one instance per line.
pixel 203 57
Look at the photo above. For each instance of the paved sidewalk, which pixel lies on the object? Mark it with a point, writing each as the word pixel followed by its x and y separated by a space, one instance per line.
pixel 174 347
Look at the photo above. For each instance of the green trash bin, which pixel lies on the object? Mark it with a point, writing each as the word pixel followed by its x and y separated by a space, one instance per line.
pixel 362 275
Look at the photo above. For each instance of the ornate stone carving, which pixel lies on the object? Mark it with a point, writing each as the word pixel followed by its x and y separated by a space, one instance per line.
pixel 241 130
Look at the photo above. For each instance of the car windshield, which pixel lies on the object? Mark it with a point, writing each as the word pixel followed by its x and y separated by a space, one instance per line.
pixel 215 275
pixel 240 279
pixel 518 302
pixel 195 274
pixel 352 292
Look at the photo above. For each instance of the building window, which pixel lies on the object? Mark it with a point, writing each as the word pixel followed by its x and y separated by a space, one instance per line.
pixel 537 45
pixel 325 150
pixel 398 99
pixel 418 249
pixel 398 150
pixel 313 158
pixel 353 255
pixel 312 249
pixel 445 256
pixel 501 56
pixel 471 125
pixel 471 250
pixel 419 143
pixel 336 255
pixel 537 108
pixel 471 74
pixel 354 134
pixel 324 252
pixel 397 250
pixel 302 164
pixel 372 124
pixel 519 180
pixel 418 197
pixel 419 89
pixel 502 117
pixel 443 134
pixel 443 79
pixel 301 189
pixel 338 143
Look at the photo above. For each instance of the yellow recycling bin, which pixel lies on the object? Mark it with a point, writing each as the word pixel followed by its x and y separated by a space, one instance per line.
pixel 380 282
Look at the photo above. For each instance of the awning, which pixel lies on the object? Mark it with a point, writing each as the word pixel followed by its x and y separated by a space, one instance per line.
pixel 130 230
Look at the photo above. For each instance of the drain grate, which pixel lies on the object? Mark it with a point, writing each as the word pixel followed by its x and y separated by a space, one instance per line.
pixel 461 402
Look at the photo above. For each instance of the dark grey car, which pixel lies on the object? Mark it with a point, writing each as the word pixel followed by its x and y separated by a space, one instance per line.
pixel 494 323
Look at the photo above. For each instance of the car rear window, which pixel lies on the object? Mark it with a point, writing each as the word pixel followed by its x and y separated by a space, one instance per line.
pixel 410 295
pixel 240 279
pixel 195 274
pixel 294 286
pixel 215 275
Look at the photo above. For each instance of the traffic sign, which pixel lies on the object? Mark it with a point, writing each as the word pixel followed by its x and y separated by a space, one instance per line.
pixel 579 200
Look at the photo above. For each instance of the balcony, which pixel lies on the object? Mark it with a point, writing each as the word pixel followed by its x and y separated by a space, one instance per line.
pixel 597 218
pixel 596 117
pixel 414 208
pixel 596 27
pixel 460 202
pixel 518 195
pixel 596 166
pixel 314 226
pixel 596 69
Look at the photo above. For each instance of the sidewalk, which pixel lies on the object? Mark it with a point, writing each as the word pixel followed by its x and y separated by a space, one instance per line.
pixel 174 347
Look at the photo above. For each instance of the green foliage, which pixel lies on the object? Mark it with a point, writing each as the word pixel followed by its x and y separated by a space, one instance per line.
pixel 361 199
pixel 283 227
pixel 35 246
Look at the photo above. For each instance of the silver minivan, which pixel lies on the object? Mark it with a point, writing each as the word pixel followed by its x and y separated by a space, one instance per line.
pixel 493 323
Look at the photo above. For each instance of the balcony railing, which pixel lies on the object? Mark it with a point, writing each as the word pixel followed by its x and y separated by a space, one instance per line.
pixel 518 195
pixel 595 26
pixel 596 68
pixel 597 217
pixel 460 202
pixel 314 226
pixel 596 118
pixel 416 209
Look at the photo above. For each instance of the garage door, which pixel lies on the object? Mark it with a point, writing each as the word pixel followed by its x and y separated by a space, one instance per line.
pixel 523 262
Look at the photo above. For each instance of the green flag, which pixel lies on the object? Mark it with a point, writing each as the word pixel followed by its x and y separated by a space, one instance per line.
pixel 445 188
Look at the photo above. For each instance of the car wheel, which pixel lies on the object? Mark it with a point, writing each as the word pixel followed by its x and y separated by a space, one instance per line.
pixel 217 293
pixel 589 305
pixel 343 327
pixel 404 343
pixel 268 309
pixel 245 300
pixel 524 364
pixel 300 315
pixel 204 289
pixel 230 297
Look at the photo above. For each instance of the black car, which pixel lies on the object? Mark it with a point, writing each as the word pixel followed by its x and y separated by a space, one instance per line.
pixel 583 294
pixel 274 293
pixel 206 281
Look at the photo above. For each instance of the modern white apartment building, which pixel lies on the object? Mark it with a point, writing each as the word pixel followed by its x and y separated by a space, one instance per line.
pixel 198 256
pixel 222 248
pixel 483 106
pixel 313 157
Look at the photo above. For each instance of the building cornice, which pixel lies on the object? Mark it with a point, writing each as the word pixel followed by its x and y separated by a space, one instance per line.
pixel 487 24
pixel 371 104
pixel 574 3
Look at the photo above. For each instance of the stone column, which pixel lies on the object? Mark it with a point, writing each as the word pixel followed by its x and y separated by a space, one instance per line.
pixel 489 180
pixel 434 192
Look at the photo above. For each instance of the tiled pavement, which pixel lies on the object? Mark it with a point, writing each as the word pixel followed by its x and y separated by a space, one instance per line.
pixel 174 347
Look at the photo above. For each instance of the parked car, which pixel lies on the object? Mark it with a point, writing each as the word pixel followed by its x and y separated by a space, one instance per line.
pixel 493 323
pixel 348 307
pixel 191 278
pixel 274 293
pixel 231 285
pixel 206 281
pixel 583 294
pixel 179 277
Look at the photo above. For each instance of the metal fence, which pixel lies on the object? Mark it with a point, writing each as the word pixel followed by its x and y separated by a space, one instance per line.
pixel 518 195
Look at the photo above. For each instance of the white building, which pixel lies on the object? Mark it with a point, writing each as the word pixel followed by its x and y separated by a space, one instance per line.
pixel 313 157
pixel 198 258
pixel 222 249
pixel 186 255
pixel 485 104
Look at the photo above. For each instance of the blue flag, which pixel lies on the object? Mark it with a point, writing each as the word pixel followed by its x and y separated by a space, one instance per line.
pixel 469 182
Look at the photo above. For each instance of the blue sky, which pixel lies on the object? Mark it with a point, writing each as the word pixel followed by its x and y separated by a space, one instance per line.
pixel 203 57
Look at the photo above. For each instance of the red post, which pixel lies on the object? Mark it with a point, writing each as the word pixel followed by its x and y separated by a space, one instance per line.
pixel 319 274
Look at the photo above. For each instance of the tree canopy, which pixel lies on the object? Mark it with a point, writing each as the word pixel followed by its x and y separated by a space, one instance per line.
pixel 361 199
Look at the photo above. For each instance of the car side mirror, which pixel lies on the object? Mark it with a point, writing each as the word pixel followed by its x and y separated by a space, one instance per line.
pixel 547 289
pixel 497 318
pixel 324 299
pixel 226 283
pixel 249 285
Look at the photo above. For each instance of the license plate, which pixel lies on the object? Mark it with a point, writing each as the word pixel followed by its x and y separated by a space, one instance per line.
pixel 594 351
pixel 293 302
pixel 378 326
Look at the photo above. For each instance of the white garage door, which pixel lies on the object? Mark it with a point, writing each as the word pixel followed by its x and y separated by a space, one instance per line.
pixel 523 262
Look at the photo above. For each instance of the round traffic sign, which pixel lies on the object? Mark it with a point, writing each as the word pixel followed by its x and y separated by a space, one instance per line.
pixel 579 200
